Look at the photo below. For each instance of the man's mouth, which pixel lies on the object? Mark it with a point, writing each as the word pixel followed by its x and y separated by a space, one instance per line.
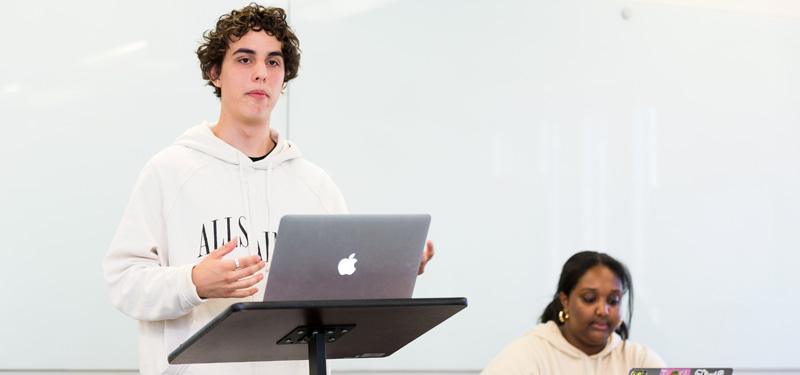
pixel 258 94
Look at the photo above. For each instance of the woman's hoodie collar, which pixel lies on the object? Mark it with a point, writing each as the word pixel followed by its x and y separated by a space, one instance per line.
pixel 201 138
pixel 552 334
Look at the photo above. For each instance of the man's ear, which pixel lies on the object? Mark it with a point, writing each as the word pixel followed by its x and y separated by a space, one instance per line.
pixel 213 75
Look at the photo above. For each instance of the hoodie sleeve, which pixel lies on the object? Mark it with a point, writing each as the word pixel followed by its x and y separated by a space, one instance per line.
pixel 136 271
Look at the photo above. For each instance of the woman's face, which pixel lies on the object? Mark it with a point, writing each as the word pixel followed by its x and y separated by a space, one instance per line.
pixel 594 309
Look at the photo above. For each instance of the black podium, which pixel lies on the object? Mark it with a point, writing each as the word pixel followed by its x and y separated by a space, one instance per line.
pixel 314 330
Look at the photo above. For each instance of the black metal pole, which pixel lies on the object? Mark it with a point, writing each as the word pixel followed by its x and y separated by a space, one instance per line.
pixel 317 355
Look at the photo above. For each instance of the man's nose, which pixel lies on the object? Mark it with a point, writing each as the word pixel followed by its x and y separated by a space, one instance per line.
pixel 259 72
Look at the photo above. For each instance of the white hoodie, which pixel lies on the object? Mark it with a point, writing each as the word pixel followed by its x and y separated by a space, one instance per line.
pixel 543 350
pixel 190 199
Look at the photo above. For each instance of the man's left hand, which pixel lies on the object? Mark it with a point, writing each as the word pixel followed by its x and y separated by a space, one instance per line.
pixel 427 255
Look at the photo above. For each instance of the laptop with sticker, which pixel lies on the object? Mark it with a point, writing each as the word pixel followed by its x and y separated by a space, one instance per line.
pixel 343 257
pixel 682 371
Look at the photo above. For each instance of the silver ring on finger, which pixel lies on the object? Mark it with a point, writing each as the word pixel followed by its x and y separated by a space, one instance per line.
pixel 236 261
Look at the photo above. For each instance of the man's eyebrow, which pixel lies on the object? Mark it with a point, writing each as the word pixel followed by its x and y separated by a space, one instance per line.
pixel 245 50
pixel 251 52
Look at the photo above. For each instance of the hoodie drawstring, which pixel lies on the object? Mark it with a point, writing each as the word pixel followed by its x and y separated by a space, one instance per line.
pixel 597 366
pixel 586 366
pixel 270 225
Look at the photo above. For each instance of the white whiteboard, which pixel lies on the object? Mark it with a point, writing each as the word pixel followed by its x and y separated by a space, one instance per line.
pixel 528 129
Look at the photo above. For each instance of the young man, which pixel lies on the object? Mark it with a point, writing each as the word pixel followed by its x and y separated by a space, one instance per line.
pixel 200 227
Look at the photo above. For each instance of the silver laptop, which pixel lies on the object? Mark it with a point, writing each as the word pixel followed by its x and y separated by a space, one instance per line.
pixel 329 257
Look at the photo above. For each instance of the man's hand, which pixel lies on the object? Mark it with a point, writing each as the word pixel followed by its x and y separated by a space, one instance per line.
pixel 217 278
pixel 427 255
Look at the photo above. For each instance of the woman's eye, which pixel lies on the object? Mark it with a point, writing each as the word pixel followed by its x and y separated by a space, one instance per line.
pixel 589 299
pixel 613 301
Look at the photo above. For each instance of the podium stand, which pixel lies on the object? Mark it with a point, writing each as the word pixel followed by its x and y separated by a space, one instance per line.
pixel 314 330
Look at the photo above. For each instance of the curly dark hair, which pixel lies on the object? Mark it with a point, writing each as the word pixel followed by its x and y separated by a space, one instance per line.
pixel 231 27
pixel 575 267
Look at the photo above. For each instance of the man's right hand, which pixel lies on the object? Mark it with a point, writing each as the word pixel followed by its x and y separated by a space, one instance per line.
pixel 218 278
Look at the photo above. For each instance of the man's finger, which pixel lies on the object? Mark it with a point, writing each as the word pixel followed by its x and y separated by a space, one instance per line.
pixel 245 271
pixel 426 257
pixel 241 293
pixel 429 250
pixel 245 262
pixel 224 249
pixel 247 282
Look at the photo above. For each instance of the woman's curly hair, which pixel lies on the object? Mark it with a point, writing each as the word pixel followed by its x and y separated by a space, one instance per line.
pixel 231 27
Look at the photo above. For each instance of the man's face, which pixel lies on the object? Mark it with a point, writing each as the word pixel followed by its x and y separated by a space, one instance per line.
pixel 251 78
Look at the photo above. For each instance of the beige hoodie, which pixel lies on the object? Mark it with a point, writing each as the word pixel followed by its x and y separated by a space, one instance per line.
pixel 543 350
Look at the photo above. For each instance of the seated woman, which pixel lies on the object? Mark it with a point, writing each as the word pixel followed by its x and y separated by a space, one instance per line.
pixel 581 330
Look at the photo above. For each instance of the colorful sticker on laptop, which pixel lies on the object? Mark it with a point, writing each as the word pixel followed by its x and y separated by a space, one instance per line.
pixel 676 371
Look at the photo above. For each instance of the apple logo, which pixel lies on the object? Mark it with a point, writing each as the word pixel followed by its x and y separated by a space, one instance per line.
pixel 348 265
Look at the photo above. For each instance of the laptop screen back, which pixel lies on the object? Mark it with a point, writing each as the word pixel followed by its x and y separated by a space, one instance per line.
pixel 329 257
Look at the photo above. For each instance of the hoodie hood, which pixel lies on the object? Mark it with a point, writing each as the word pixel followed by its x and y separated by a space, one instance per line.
pixel 201 138
pixel 551 333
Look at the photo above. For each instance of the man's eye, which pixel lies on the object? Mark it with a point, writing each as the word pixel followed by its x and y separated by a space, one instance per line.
pixel 244 60
pixel 273 63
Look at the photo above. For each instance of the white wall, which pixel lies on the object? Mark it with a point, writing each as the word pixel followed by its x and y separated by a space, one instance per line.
pixel 528 129
pixel 532 129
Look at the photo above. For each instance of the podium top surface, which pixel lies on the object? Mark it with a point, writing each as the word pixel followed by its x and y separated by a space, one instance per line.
pixel 252 331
